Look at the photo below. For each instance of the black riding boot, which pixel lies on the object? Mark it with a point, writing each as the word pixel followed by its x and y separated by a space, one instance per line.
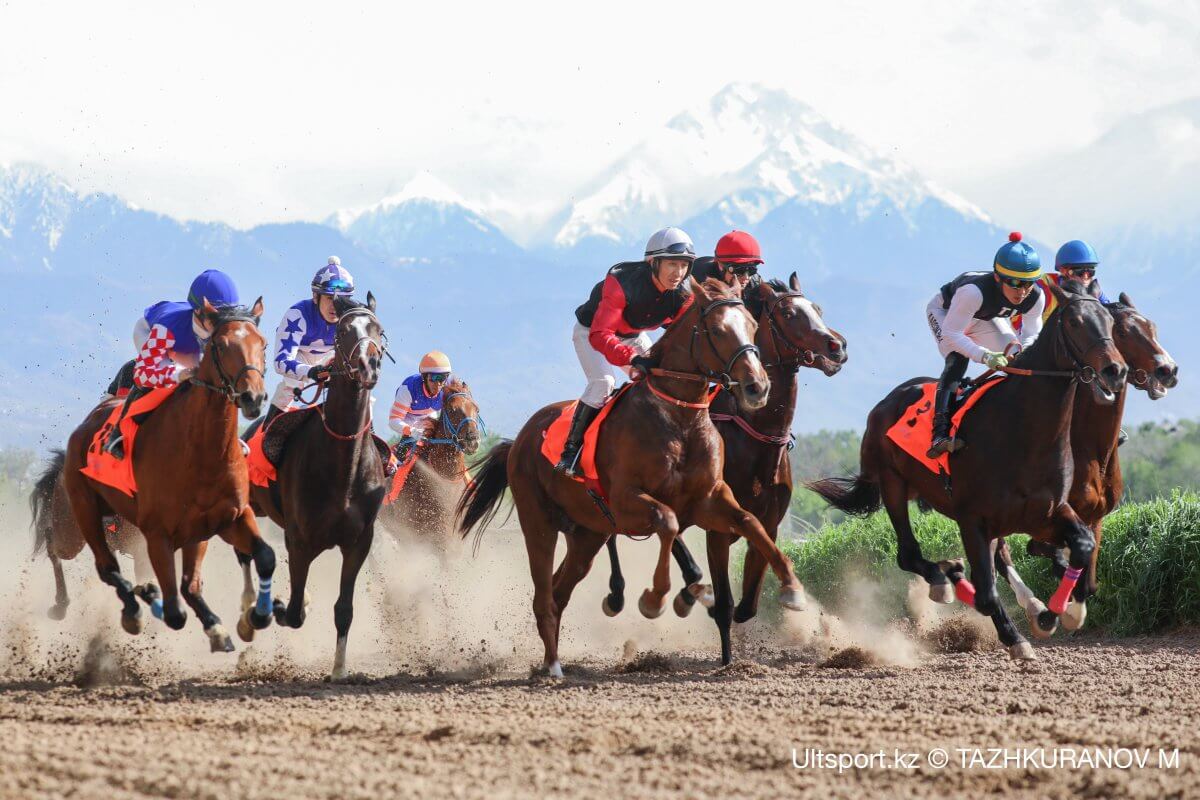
pixel 952 375
pixel 115 446
pixel 584 414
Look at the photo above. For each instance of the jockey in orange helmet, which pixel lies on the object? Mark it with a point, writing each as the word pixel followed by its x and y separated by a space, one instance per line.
pixel 418 402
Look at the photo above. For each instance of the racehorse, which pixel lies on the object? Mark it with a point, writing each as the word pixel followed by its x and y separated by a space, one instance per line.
pixel 791 334
pixel 57 535
pixel 1016 472
pixel 191 479
pixel 659 459
pixel 1097 486
pixel 331 481
pixel 426 503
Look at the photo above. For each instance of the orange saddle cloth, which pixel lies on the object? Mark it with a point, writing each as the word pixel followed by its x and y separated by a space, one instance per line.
pixel 118 472
pixel 914 430
pixel 554 438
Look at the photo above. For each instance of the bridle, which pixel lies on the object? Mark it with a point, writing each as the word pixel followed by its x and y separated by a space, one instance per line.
pixel 228 385
pixel 453 428
pixel 1083 372
pixel 704 376
pixel 343 359
pixel 806 357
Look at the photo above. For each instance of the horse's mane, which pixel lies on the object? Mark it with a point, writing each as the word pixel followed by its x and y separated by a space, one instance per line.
pixel 754 302
pixel 234 313
pixel 711 290
pixel 344 304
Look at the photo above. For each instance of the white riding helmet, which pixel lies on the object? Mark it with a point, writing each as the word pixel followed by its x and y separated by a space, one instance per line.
pixel 670 243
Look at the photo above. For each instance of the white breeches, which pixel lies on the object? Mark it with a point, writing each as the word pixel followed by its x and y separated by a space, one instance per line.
pixel 600 375
pixel 990 334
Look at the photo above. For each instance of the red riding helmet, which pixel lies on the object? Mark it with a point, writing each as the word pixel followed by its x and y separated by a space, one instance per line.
pixel 738 247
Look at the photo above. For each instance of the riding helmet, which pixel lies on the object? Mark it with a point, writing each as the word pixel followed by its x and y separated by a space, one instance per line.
pixel 670 243
pixel 1017 260
pixel 1075 253
pixel 435 361
pixel 738 247
pixel 214 286
pixel 333 280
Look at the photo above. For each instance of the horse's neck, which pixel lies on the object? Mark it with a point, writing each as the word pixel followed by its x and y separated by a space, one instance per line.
pixel 775 418
pixel 215 419
pixel 445 459
pixel 347 411
pixel 1095 428
pixel 678 358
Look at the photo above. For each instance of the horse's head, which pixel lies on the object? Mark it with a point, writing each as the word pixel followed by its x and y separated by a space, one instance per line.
pixel 359 343
pixel 1086 340
pixel 460 416
pixel 792 330
pixel 726 352
pixel 1151 368
pixel 236 356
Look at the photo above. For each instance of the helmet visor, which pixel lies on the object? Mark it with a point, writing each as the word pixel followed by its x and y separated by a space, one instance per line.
pixel 336 286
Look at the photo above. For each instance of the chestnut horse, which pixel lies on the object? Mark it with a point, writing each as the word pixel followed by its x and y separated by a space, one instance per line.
pixel 425 505
pixel 1015 474
pixel 659 459
pixel 191 478
pixel 1097 486
pixel 791 334
pixel 331 482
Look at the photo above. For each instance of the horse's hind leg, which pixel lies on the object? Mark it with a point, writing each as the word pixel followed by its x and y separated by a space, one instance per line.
pixel 614 602
pixel 582 547
pixel 541 537
pixel 299 561
pixel 343 610
pixel 987 601
pixel 722 609
pixel 693 589
pixel 191 585
pixel 58 611
pixel 162 558
pixel 894 493
pixel 86 510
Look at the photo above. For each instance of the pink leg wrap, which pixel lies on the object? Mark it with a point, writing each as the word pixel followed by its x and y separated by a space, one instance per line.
pixel 1062 595
pixel 965 591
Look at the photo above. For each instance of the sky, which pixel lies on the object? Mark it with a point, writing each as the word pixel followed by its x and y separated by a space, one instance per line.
pixel 267 111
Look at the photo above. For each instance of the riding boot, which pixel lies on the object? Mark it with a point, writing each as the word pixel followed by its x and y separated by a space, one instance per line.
pixel 948 383
pixel 584 414
pixel 115 446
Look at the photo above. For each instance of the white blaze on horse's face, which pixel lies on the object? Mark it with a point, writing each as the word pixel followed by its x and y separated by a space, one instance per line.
pixel 815 321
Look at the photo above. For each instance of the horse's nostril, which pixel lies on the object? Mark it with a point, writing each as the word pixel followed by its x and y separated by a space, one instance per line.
pixel 834 345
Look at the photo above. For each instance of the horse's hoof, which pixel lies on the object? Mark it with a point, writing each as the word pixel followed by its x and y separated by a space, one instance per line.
pixel 1033 611
pixel 649 608
pixel 148 591
pixel 703 592
pixel 245 630
pixel 1022 651
pixel 554 670
pixel 307 600
pixel 1074 615
pixel 57 612
pixel 259 621
pixel 792 599
pixel 1046 622
pixel 941 593
pixel 683 603
pixel 133 623
pixel 219 640
pixel 607 607
pixel 339 674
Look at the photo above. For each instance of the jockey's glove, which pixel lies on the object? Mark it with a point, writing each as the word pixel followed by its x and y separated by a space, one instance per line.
pixel 318 374
pixel 641 367
pixel 994 360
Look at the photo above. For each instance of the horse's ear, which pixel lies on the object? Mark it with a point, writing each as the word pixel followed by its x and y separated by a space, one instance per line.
pixel 698 289
pixel 257 309
pixel 1094 289
pixel 209 309
pixel 1059 294
pixel 371 302
pixel 794 282
pixel 1124 298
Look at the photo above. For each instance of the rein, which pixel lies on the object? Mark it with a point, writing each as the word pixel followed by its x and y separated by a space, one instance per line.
pixel 454 429
pixel 779 441
pixel 807 357
pixel 723 380
pixel 1084 373
pixel 228 386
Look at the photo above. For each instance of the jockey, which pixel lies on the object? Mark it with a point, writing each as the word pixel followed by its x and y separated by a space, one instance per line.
pixel 418 402
pixel 970 319
pixel 305 337
pixel 1076 260
pixel 170 338
pixel 735 261
pixel 610 328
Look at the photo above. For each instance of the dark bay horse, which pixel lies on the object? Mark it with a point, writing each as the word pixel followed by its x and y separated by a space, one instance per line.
pixel 331 483
pixel 1016 472
pixel 1098 485
pixel 191 477
pixel 660 461
pixel 426 504
pixel 791 334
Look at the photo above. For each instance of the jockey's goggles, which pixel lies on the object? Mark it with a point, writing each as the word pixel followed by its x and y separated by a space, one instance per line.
pixel 438 377
pixel 675 249
pixel 337 285
pixel 1088 272
pixel 1017 283
pixel 741 269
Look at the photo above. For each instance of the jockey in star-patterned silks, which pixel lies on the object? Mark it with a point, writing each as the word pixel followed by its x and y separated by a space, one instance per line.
pixel 170 338
pixel 418 402
pixel 305 337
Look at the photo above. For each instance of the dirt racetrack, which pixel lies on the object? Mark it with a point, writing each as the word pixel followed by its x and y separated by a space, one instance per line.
pixel 445 703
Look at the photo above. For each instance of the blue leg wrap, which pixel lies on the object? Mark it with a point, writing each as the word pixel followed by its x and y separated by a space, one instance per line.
pixel 156 608
pixel 263 606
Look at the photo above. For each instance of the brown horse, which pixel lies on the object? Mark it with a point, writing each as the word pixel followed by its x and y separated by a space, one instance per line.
pixel 1016 473
pixel 57 535
pixel 1097 486
pixel 791 334
pixel 426 503
pixel 191 478
pixel 659 458
pixel 331 482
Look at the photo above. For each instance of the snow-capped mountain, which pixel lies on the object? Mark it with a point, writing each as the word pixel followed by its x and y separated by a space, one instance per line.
pixel 746 152
pixel 422 223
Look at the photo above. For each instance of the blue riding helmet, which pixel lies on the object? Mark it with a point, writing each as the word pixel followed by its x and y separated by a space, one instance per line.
pixel 214 286
pixel 1075 252
pixel 333 280
pixel 1017 260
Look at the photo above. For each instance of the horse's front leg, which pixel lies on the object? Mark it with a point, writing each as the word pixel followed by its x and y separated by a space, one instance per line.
pixel 614 602
pixel 244 536
pixel 720 512
pixel 987 599
pixel 162 559
pixel 1081 548
pixel 638 512
pixel 191 585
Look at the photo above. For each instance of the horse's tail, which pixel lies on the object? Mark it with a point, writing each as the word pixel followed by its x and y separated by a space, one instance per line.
pixel 481 501
pixel 856 495
pixel 41 500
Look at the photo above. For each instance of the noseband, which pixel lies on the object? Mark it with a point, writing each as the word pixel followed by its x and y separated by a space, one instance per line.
pixel 453 429
pixel 723 378
pixel 228 385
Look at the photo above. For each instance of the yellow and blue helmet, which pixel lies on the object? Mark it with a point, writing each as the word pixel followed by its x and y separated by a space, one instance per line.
pixel 1017 260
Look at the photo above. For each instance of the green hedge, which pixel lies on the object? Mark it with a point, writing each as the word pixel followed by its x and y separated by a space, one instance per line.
pixel 1149 568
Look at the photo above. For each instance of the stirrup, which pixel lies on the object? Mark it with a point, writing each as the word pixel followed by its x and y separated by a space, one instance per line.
pixel 116 448
pixel 566 465
pixel 943 445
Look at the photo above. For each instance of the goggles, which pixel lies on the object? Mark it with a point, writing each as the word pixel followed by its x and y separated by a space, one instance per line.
pixel 676 249
pixel 336 285
pixel 1017 283
pixel 1087 272
pixel 437 377
pixel 741 269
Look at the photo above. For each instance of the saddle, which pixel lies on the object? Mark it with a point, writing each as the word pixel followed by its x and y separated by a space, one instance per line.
pixel 913 431
pixel 107 469
pixel 268 445
pixel 554 438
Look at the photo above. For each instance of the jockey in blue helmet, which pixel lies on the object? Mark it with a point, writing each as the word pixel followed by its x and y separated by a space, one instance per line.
pixel 305 337
pixel 170 338
pixel 970 318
